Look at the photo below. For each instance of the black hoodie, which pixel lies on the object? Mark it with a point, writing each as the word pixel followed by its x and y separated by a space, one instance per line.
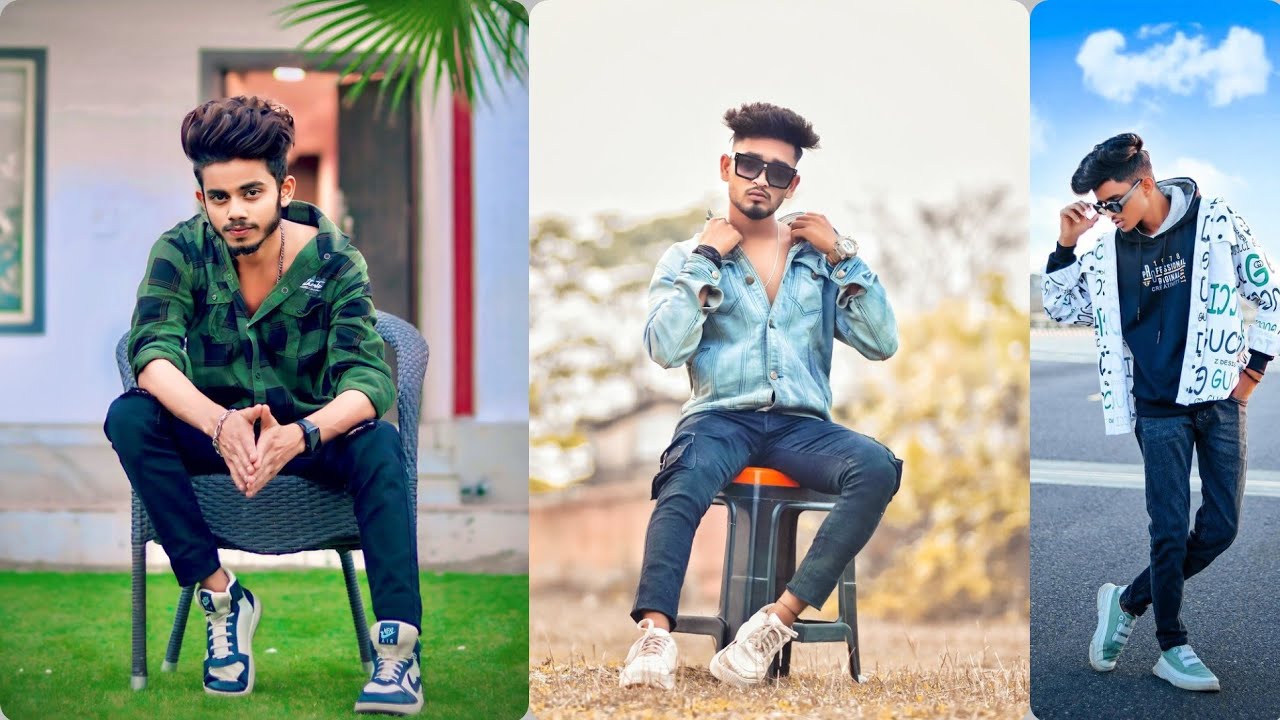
pixel 1154 279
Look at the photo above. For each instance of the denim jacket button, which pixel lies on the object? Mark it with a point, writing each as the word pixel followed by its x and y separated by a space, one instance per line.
pixel 715 274
pixel 773 375
pixel 751 280
pixel 839 273
pixel 771 323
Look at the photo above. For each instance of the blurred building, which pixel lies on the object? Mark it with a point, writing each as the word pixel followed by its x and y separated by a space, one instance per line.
pixel 435 195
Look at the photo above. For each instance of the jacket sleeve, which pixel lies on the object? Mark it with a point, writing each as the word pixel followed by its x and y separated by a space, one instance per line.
pixel 164 308
pixel 1065 289
pixel 1256 281
pixel 864 317
pixel 355 348
pixel 674 326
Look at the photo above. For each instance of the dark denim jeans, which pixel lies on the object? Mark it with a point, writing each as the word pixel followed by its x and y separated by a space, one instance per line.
pixel 708 451
pixel 1217 433
pixel 160 453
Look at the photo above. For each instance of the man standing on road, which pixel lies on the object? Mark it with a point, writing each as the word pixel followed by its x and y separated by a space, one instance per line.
pixel 1162 292
pixel 751 306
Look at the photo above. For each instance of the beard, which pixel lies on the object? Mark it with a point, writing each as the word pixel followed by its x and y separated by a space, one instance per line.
pixel 242 250
pixel 755 210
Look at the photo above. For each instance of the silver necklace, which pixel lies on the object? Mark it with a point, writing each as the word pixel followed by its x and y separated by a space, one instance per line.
pixel 773 270
pixel 280 265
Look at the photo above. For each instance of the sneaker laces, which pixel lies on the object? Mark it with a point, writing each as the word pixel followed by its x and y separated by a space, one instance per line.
pixel 390 670
pixel 219 636
pixel 769 638
pixel 652 643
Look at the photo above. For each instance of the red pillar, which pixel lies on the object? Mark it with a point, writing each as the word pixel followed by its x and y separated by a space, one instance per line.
pixel 463 262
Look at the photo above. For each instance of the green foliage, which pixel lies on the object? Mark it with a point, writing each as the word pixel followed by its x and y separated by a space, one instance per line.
pixel 408 42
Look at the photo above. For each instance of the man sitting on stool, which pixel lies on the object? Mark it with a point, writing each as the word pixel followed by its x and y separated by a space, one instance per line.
pixel 759 363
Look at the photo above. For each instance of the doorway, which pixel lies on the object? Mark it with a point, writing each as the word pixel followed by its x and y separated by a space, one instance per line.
pixel 356 162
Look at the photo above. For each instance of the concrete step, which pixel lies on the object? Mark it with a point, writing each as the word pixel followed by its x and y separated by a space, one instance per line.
pixel 466 538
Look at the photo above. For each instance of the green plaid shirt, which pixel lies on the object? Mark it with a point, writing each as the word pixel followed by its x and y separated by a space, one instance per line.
pixel 311 339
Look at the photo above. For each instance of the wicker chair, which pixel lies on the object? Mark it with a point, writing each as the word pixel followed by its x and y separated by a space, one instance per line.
pixel 290 515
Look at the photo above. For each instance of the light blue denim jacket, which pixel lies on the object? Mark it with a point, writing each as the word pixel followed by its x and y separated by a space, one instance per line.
pixel 744 354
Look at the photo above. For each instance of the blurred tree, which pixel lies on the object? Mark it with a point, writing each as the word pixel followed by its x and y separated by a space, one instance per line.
pixel 954 402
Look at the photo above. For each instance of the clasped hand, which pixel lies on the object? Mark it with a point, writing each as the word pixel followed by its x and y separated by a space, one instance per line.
pixel 252 463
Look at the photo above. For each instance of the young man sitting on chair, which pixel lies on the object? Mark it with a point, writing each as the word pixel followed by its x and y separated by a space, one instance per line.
pixel 752 306
pixel 255 353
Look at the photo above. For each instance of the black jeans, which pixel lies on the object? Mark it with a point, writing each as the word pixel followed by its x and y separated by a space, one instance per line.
pixel 160 454
pixel 710 449
pixel 1217 433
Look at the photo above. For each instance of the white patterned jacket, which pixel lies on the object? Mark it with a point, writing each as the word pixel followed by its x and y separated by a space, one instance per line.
pixel 1228 264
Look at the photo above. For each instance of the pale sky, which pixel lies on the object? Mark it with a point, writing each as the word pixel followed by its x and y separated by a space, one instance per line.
pixel 914 99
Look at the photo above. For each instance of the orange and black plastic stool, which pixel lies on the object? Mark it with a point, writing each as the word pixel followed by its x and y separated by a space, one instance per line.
pixel 759 559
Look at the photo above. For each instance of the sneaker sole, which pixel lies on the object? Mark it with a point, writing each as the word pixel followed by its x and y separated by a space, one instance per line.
pixel 725 675
pixel 1165 671
pixel 647 679
pixel 1100 635
pixel 389 708
pixel 253 629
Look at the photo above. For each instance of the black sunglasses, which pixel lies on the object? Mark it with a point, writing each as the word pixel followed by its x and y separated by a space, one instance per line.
pixel 777 174
pixel 1113 207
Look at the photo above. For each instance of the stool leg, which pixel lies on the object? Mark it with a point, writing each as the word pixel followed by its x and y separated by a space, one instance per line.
pixel 783 567
pixel 138 585
pixel 357 609
pixel 179 630
pixel 732 518
pixel 849 614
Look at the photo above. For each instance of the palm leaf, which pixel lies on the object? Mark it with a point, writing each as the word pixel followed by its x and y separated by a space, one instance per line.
pixel 463 45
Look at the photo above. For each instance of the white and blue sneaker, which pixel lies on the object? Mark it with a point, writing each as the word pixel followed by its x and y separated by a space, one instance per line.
pixel 395 687
pixel 231 618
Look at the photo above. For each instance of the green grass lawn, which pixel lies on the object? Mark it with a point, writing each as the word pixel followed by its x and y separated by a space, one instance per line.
pixel 64 648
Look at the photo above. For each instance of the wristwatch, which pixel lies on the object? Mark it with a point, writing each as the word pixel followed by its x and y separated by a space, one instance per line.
pixel 846 247
pixel 310 435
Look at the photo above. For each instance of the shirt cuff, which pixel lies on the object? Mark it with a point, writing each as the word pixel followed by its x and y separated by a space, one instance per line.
pixel 702 273
pixel 850 272
pixel 375 386
pixel 1258 361
pixel 157 352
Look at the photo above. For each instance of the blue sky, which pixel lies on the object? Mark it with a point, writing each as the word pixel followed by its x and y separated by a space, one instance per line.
pixel 1198 81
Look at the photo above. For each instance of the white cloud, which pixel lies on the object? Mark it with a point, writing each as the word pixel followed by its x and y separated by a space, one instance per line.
pixel 1147 31
pixel 1236 68
pixel 1039 132
pixel 1212 181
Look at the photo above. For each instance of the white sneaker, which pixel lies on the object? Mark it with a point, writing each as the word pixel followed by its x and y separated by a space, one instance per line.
pixel 745 661
pixel 395 687
pixel 652 660
pixel 231 618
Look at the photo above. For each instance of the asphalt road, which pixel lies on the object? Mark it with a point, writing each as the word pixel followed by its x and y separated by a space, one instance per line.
pixel 1083 536
pixel 1067 425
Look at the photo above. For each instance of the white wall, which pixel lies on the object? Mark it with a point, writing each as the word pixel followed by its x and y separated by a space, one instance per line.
pixel 501 145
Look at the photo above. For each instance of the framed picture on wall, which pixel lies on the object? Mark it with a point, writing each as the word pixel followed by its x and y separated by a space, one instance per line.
pixel 22 102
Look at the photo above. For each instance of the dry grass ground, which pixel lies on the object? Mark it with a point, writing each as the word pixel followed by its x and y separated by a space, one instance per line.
pixel 960 670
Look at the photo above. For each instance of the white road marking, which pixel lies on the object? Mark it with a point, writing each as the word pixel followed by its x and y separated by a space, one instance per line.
pixel 1259 483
